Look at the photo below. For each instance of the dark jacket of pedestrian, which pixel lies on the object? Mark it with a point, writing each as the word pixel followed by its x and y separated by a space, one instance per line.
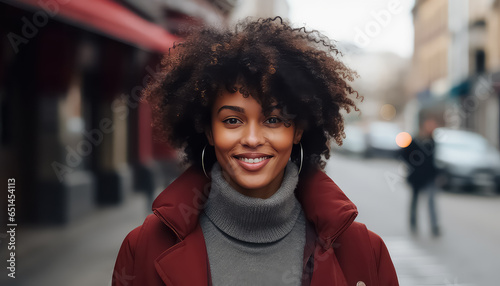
pixel 169 247
pixel 419 156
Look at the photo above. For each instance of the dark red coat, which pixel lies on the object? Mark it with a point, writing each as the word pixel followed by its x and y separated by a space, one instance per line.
pixel 169 248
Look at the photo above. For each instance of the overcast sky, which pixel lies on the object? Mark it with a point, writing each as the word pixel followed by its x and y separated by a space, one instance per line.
pixel 374 25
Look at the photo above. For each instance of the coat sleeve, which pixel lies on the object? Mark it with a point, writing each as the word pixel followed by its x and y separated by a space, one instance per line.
pixel 123 272
pixel 385 268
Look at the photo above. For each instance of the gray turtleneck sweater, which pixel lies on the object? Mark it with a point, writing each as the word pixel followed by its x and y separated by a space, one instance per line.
pixel 253 241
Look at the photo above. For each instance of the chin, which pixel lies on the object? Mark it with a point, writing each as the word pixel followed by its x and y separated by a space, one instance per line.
pixel 251 182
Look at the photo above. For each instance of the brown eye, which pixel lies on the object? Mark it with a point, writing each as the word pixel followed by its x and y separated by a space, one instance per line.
pixel 274 120
pixel 231 121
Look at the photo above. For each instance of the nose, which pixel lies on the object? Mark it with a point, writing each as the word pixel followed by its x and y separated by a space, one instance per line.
pixel 253 135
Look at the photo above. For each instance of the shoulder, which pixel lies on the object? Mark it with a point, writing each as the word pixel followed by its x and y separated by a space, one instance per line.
pixel 130 242
pixel 378 246
pixel 151 234
pixel 357 234
pixel 385 267
pixel 375 240
pixel 362 254
pixel 139 249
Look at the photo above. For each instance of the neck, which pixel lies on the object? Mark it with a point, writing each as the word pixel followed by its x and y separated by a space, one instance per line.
pixel 253 219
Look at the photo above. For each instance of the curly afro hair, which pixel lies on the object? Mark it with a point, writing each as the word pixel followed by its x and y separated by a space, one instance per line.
pixel 267 59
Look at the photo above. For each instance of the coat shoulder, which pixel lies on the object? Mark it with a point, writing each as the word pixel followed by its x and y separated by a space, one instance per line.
pixel 150 224
pixel 358 233
pixel 153 233
pixel 135 262
pixel 363 256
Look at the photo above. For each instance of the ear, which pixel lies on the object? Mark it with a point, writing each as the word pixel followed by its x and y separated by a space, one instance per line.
pixel 298 135
pixel 210 137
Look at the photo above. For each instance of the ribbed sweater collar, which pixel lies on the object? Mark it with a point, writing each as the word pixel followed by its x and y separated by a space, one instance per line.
pixel 250 219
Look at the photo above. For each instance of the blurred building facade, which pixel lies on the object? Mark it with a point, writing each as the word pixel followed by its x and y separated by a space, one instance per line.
pixel 429 75
pixel 73 130
pixel 456 64
pixel 74 133
pixel 380 87
pixel 431 45
pixel 259 8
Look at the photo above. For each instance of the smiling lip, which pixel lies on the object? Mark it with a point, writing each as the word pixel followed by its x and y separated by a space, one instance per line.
pixel 253 166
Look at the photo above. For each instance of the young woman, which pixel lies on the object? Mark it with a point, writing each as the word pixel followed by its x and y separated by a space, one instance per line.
pixel 255 111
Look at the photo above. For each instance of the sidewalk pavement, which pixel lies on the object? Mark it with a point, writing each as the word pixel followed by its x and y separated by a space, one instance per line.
pixel 80 254
pixel 416 266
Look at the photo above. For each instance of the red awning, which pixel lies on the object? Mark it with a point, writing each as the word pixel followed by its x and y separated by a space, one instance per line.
pixel 110 18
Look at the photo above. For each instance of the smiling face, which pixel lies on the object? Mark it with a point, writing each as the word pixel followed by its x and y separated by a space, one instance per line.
pixel 252 149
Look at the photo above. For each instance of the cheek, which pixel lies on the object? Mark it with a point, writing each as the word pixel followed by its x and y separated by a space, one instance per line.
pixel 282 140
pixel 224 139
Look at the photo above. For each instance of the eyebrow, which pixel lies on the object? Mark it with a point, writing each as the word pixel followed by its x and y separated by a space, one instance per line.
pixel 271 108
pixel 231 107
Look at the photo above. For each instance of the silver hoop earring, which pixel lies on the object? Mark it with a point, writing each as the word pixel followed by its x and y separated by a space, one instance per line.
pixel 301 157
pixel 203 160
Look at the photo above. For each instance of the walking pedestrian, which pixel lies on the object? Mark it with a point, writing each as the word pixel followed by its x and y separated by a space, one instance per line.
pixel 419 156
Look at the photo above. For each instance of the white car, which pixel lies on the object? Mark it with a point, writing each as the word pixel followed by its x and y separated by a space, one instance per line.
pixel 354 142
pixel 381 139
pixel 466 159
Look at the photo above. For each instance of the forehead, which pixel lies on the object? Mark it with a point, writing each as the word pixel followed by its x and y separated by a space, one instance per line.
pixel 226 98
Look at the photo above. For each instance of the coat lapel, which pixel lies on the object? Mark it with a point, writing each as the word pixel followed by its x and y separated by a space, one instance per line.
pixel 325 206
pixel 331 213
pixel 186 262
pixel 178 206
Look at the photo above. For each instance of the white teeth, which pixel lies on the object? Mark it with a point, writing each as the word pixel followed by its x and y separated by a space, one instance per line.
pixel 256 160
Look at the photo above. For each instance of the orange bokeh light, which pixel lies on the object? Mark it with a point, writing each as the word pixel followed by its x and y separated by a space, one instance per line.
pixel 403 139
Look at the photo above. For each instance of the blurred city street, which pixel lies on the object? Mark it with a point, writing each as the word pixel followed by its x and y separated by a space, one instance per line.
pixel 467 252
pixel 80 141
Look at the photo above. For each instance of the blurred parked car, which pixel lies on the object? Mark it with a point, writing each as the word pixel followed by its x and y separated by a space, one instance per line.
pixel 381 139
pixel 466 159
pixel 354 143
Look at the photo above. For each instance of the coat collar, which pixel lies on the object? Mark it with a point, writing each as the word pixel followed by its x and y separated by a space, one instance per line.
pixel 177 266
pixel 180 204
pixel 324 203
pixel 325 206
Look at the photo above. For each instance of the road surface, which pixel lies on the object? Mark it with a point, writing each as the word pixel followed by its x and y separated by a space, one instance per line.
pixel 467 252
